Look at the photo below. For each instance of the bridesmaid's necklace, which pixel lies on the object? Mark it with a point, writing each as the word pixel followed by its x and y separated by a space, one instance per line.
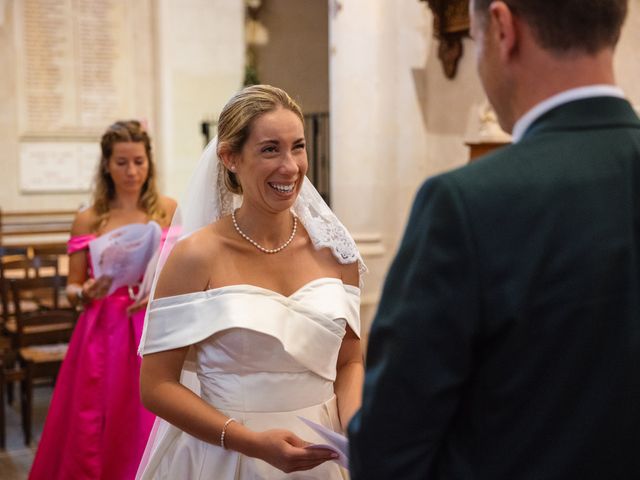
pixel 256 244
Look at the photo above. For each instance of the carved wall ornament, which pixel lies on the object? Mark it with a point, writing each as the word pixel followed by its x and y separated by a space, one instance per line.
pixel 256 35
pixel 450 26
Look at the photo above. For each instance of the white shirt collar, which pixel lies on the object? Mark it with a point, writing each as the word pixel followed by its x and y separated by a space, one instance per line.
pixel 524 122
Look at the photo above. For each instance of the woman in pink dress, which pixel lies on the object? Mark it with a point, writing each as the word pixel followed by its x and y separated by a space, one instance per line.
pixel 96 427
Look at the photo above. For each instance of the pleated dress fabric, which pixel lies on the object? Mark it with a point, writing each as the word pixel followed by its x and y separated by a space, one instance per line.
pixel 96 426
pixel 260 357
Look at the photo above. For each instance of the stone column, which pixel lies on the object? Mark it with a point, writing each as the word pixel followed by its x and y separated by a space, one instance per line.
pixel 199 65
pixel 378 138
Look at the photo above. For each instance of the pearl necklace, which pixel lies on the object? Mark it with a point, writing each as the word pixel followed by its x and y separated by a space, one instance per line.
pixel 256 244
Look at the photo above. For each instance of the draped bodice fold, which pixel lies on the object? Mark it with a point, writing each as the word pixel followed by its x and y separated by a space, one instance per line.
pixel 263 358
pixel 244 329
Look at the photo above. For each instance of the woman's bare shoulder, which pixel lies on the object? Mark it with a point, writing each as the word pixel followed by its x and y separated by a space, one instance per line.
pixel 84 222
pixel 203 244
pixel 350 274
pixel 189 265
pixel 169 206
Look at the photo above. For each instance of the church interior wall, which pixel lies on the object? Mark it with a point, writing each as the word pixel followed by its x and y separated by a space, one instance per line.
pixel 396 118
pixel 627 59
pixel 379 140
pixel 11 196
pixel 183 60
pixel 200 60
pixel 293 50
pixel 8 108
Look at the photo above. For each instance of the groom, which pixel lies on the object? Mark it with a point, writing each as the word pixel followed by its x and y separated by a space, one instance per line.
pixel 507 341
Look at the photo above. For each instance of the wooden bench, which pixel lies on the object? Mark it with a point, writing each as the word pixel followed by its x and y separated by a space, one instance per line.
pixel 26 229
pixel 41 234
pixel 36 233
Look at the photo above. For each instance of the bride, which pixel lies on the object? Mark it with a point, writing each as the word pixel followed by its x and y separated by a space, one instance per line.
pixel 267 297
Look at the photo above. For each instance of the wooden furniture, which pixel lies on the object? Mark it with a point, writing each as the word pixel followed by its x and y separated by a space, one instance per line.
pixel 23 267
pixel 37 222
pixel 32 245
pixel 477 149
pixel 8 376
pixel 20 232
pixel 12 266
pixel 41 337
pixel 47 292
pixel 49 250
pixel 450 27
pixel 20 266
pixel 42 361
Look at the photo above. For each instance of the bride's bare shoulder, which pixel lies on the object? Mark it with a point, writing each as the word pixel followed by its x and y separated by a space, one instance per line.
pixel 189 264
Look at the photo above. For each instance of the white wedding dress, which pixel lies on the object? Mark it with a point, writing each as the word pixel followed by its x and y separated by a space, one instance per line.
pixel 262 358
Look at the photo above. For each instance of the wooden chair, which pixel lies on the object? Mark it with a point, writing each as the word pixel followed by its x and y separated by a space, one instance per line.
pixel 53 251
pixel 6 250
pixel 8 376
pixel 46 291
pixel 20 228
pixel 41 338
pixel 11 271
pixel 49 250
pixel 20 266
pixel 11 266
pixel 23 267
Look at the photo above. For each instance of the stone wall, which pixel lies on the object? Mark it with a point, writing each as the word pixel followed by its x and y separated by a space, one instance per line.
pixel 72 68
pixel 396 119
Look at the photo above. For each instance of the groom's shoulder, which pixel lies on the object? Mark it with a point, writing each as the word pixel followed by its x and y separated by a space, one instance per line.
pixel 480 171
pixel 498 169
pixel 487 180
pixel 494 164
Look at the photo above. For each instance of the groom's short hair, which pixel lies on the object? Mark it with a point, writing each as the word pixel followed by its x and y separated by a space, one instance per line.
pixel 568 25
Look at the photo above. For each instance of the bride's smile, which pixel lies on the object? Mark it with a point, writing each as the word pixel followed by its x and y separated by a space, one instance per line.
pixel 282 188
pixel 268 295
pixel 273 162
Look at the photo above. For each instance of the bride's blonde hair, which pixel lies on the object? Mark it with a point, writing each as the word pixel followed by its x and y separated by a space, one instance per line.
pixel 234 124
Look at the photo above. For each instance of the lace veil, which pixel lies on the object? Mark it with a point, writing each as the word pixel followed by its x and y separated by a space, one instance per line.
pixel 207 199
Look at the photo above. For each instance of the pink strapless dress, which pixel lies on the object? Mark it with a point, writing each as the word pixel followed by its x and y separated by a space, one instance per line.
pixel 96 427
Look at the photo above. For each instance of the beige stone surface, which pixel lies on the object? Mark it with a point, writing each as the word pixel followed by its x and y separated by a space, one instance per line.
pixel 170 63
pixel 69 69
pixel 396 119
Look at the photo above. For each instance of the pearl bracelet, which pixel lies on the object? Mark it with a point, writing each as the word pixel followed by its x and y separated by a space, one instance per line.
pixel 224 430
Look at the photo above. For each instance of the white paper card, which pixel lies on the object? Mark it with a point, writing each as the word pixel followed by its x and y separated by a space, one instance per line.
pixel 335 442
pixel 123 253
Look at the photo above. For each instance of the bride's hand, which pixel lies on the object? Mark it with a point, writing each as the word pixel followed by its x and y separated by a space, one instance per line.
pixel 286 451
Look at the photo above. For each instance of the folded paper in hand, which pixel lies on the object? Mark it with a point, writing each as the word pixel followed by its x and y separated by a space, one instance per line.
pixel 335 442
pixel 123 253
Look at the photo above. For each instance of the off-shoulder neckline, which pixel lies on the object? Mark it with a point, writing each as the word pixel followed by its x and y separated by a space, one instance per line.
pixel 95 235
pixel 212 292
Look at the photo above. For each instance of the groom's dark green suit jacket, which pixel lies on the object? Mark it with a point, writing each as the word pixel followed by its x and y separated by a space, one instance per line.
pixel 507 340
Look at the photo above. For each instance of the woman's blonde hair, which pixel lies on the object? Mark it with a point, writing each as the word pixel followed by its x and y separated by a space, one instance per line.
pixel 234 124
pixel 104 188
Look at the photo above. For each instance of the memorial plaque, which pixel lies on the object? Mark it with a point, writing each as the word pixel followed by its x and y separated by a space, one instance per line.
pixel 45 59
pixel 75 66
pixel 57 166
